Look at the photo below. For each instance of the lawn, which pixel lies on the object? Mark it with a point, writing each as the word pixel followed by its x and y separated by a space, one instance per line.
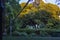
pixel 29 38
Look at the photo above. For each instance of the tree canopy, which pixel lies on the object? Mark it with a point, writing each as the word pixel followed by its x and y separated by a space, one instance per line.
pixel 54 9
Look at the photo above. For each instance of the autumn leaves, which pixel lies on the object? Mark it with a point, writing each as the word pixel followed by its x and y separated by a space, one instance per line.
pixel 42 6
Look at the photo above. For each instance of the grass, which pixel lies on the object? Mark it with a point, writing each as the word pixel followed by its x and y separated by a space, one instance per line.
pixel 29 38
pixel 32 38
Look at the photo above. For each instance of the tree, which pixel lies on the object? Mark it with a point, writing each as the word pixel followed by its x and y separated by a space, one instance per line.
pixel 42 6
pixel 12 9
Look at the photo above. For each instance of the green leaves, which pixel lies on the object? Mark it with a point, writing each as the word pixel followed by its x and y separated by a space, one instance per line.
pixel 12 9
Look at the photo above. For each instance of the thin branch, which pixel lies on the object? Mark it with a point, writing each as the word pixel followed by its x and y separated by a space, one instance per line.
pixel 21 10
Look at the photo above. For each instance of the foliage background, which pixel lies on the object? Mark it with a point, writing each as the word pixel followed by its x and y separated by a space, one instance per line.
pixel 46 15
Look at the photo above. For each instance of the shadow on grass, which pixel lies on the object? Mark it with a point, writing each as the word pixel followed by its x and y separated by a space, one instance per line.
pixel 29 38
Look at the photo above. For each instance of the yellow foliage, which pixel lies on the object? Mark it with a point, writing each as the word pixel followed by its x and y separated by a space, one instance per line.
pixel 25 11
pixel 42 6
pixel 29 6
pixel 22 4
pixel 50 8
pixel 53 9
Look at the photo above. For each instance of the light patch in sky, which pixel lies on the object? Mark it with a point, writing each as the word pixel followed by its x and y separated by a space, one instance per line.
pixel 24 1
pixel 50 1
pixel 46 1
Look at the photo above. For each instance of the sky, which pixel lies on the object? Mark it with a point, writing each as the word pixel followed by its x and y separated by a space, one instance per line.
pixel 46 1
pixel 23 1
